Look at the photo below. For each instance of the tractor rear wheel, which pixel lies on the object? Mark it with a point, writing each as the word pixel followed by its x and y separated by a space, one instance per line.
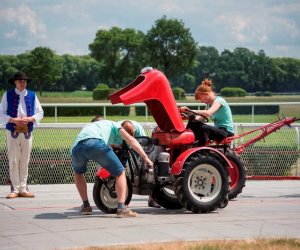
pixel 202 185
pixel 105 196
pixel 237 174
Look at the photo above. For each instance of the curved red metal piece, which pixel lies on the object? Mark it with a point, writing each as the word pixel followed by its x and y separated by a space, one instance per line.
pixel 153 88
pixel 175 138
pixel 178 164
pixel 102 173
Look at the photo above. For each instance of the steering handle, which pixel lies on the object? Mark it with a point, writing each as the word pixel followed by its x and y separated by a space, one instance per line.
pixel 188 112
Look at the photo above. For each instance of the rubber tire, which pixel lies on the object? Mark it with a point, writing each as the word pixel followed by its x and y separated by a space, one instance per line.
pixel 98 197
pixel 237 174
pixel 165 200
pixel 182 190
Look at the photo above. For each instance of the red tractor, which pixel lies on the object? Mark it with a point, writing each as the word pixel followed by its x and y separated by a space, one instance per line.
pixel 196 178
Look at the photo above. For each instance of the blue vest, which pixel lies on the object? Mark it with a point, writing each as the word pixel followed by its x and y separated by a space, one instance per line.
pixel 13 100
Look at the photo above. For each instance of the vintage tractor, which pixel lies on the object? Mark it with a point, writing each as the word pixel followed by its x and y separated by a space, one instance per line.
pixel 196 178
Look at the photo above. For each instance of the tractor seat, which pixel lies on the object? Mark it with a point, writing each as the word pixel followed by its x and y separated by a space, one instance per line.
pixel 174 138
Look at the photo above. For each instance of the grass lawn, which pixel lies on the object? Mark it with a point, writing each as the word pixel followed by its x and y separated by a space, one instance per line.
pixel 253 244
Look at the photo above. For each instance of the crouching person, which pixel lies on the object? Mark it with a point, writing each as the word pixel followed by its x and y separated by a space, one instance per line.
pixel 92 143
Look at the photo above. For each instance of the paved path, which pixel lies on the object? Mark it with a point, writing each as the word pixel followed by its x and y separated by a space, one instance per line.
pixel 51 221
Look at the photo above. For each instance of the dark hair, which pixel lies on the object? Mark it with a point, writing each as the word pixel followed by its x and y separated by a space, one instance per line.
pixel 97 118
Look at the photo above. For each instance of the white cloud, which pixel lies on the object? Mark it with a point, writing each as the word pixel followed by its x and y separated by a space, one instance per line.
pixel 71 25
pixel 25 18
pixel 11 34
pixel 286 8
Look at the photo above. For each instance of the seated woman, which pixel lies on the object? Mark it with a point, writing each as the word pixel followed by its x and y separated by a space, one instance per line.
pixel 219 111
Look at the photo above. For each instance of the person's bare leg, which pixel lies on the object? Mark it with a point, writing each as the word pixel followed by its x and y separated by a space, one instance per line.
pixel 81 186
pixel 121 187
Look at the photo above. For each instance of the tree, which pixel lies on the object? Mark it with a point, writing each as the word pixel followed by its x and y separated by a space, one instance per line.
pixel 119 52
pixel 44 67
pixel 207 59
pixel 170 46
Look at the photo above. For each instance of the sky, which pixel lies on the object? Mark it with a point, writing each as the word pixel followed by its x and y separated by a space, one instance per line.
pixel 69 26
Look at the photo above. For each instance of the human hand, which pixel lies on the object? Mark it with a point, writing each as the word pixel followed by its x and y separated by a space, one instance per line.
pixel 28 119
pixel 148 163
pixel 183 109
pixel 19 121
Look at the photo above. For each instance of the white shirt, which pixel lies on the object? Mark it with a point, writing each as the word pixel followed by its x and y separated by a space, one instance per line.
pixel 38 111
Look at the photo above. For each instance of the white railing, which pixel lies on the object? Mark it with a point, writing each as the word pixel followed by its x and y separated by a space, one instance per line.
pixel 104 105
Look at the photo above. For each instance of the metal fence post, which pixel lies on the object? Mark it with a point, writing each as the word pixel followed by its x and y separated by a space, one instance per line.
pixel 55 113
pixel 298 147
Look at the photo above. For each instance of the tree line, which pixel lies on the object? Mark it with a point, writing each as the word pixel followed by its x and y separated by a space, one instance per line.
pixel 117 56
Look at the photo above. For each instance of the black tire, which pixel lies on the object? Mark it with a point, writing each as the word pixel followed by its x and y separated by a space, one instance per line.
pixel 165 197
pixel 237 174
pixel 105 196
pixel 202 185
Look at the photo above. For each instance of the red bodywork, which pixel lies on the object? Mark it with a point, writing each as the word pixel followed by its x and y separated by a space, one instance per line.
pixel 153 88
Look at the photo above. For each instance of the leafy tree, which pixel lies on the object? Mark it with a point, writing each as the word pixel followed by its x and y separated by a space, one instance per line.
pixel 287 74
pixel 44 67
pixel 119 52
pixel 170 46
pixel 79 72
pixel 7 69
pixel 206 66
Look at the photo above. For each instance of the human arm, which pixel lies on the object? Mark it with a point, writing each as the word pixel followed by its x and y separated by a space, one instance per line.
pixel 136 146
pixel 4 117
pixel 206 113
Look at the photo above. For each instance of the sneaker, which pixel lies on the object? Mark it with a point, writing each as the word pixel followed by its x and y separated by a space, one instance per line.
pixel 152 203
pixel 85 210
pixel 12 195
pixel 126 213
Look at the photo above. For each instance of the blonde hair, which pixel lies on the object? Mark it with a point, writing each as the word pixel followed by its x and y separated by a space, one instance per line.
pixel 205 87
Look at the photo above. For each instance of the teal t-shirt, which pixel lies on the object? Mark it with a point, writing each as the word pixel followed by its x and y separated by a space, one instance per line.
pixel 223 116
pixel 138 131
pixel 103 129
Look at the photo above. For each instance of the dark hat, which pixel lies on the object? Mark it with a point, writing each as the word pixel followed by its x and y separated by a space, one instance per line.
pixel 19 76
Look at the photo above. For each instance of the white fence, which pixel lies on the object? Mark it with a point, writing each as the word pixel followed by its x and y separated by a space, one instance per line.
pixel 277 155
pixel 103 106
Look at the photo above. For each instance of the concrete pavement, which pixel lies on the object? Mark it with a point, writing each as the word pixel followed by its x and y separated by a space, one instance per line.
pixel 51 221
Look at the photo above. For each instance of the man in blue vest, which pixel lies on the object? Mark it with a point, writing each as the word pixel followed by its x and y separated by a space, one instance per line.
pixel 20 109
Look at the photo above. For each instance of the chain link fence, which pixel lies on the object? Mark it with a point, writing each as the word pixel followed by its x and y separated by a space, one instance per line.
pixel 50 163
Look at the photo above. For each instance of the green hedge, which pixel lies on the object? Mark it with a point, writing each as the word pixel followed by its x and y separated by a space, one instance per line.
pixel 86 111
pixel 100 94
pixel 179 93
pixel 258 110
pixel 233 92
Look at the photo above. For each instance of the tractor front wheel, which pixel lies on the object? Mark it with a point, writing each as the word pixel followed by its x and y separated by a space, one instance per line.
pixel 202 185
pixel 165 197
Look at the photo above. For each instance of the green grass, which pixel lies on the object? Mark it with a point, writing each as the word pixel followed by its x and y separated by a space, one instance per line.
pixel 77 93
